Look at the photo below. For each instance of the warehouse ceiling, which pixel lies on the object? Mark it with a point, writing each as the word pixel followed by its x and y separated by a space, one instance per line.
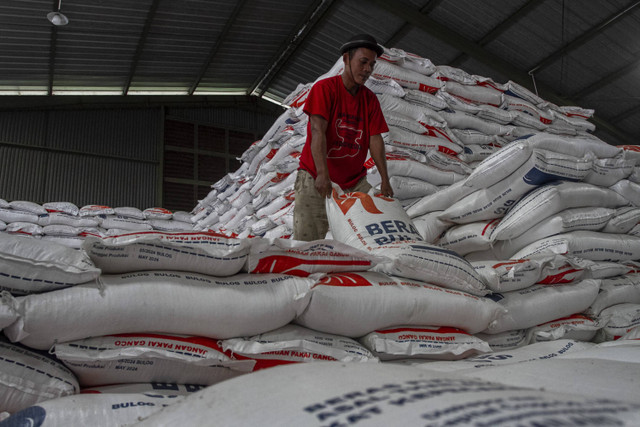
pixel 584 53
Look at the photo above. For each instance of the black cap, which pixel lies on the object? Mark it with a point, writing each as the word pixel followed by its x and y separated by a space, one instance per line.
pixel 362 40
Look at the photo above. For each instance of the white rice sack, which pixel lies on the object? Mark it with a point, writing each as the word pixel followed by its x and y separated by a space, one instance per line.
pixel 165 302
pixel 304 258
pixel 26 228
pixel 472 136
pixel 143 358
pixel 498 115
pixel 28 377
pixel 368 221
pixel 606 172
pixel 431 263
pixel 607 269
pixel 61 218
pixel 575 327
pixel 467 238
pixel 380 225
pixel 30 265
pixel 408 60
pixel 387 86
pixel 107 409
pixel 474 93
pixel 574 373
pixel 447 162
pixel 62 207
pixel 405 187
pixel 282 231
pixel 402 166
pixel 354 304
pixel 26 206
pixel 539 304
pixel 495 201
pixel 499 165
pixel 3 225
pixel 94 210
pixel 446 73
pixel 61 230
pixel 439 343
pixel 507 340
pixel 295 344
pixel 617 320
pixel 402 138
pixel 124 223
pixel 440 200
pixel 592 245
pixel 624 220
pixel 514 357
pixel 478 152
pixel 170 225
pixel 424 99
pixel 183 216
pixel 129 212
pixel 201 252
pixel 398 106
pixel 165 389
pixel 382 394
pixel 566 221
pixel 8 215
pixel 553 198
pixel 507 160
pixel 406 78
pixel 8 309
pixel 513 103
pixel 616 290
pixel 513 275
pixel 629 190
pixel 462 120
pixel 430 226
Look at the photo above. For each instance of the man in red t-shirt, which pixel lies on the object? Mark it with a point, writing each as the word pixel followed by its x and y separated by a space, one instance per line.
pixel 345 124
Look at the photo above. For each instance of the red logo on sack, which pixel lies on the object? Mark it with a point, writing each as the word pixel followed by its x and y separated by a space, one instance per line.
pixel 289 264
pixel 344 280
pixel 347 200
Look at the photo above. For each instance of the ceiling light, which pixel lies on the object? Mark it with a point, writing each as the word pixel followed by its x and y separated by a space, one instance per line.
pixel 57 18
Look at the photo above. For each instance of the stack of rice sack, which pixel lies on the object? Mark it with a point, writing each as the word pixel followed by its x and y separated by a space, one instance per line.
pixel 450 269
pixel 65 223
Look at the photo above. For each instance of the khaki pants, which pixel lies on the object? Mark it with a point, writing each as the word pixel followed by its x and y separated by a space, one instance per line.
pixel 310 212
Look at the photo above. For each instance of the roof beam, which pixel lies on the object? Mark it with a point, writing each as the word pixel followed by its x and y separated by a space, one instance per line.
pixel 404 30
pixel 499 29
pixel 312 18
pixel 214 49
pixel 141 42
pixel 413 16
pixel 585 37
pixel 606 80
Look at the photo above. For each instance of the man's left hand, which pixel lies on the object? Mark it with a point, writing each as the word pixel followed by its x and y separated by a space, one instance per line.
pixel 385 189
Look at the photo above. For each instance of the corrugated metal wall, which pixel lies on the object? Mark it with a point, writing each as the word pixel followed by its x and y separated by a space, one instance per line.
pixel 83 156
pixel 98 156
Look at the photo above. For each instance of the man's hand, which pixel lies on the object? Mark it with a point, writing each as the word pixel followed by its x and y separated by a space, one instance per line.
pixel 385 188
pixel 323 185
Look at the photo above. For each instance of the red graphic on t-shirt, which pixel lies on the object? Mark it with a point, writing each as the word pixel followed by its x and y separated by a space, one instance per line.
pixel 349 141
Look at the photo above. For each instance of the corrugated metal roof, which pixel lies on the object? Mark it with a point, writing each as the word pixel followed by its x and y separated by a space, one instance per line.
pixel 582 53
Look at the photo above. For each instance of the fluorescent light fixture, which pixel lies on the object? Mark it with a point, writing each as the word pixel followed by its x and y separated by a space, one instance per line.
pixel 23 92
pixel 57 18
pixel 157 92
pixel 86 92
pixel 220 92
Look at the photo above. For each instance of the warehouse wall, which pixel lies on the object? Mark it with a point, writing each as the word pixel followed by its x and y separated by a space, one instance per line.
pixel 110 156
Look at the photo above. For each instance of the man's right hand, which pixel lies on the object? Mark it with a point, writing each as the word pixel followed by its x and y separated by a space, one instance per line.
pixel 323 185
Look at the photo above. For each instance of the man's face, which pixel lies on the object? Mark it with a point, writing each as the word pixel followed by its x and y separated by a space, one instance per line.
pixel 362 63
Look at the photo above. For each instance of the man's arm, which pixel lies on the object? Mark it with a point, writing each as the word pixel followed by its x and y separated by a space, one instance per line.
pixel 376 148
pixel 319 153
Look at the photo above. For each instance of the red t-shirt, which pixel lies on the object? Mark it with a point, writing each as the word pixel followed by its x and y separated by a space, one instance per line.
pixel 352 120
